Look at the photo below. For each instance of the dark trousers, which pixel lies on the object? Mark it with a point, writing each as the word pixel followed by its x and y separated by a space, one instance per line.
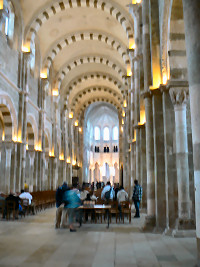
pixel 137 207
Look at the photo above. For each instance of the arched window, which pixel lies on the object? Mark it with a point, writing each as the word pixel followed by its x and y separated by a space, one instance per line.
pixel 32 58
pixel 106 134
pixel 115 133
pixel 9 21
pixel 96 133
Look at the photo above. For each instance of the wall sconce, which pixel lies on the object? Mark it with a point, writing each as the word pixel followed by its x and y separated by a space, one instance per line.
pixel 51 154
pixel 125 104
pixel 68 160
pixel 1 4
pixel 55 92
pixel 38 147
pixel 142 117
pixel 73 162
pixel 122 129
pixel 14 138
pixel 76 123
pixel 131 43
pixel 43 74
pixel 129 72
pixel 71 115
pixel 26 48
pixel 164 79
pixel 61 157
pixel 26 146
pixel 122 122
pixel 123 113
pixel 80 130
pixel 136 1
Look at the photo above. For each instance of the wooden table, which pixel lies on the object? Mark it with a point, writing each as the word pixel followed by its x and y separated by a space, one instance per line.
pixel 97 207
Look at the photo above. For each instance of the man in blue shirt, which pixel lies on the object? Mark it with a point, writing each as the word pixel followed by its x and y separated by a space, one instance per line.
pixel 137 197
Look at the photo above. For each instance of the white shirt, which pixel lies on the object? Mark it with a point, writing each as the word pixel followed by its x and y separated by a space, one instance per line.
pixel 26 195
pixel 122 195
pixel 83 194
pixel 107 188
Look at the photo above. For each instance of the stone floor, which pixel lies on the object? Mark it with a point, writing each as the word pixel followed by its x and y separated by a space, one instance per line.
pixel 33 242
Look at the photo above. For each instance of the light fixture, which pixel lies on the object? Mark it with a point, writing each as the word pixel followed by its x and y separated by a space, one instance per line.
pixel 38 147
pixel 43 74
pixel 26 48
pixel 122 129
pixel 125 104
pixel 71 115
pixel 61 157
pixel 1 4
pixel 129 72
pixel 73 162
pixel 80 130
pixel 68 160
pixel 122 122
pixel 55 92
pixel 51 153
pixel 131 43
pixel 164 79
pixel 123 113
pixel 76 123
pixel 142 117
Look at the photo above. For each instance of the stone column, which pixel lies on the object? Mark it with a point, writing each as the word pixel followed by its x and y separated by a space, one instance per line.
pixel 8 150
pixel 150 219
pixel 170 160
pixel 138 163
pixel 143 171
pixel 159 160
pixel 191 10
pixel 179 97
pixel 31 154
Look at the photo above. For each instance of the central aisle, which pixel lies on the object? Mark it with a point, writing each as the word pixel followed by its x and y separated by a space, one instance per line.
pixel 34 242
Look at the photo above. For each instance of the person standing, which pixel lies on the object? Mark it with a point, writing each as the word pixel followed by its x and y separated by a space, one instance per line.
pixel 137 196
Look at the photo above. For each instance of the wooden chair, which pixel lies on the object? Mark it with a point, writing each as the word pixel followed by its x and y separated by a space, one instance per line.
pixel 126 210
pixel 25 206
pixel 2 207
pixel 11 208
pixel 114 210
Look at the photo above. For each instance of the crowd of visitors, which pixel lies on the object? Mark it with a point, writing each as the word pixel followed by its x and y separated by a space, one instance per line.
pixel 69 199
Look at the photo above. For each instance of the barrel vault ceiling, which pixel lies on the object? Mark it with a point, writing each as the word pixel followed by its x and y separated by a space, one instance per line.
pixel 85 42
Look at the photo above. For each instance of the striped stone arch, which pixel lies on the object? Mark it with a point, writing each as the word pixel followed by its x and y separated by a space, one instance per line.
pixel 94 89
pixel 95 75
pixel 176 42
pixel 97 99
pixel 55 7
pixel 85 36
pixel 9 115
pixel 85 60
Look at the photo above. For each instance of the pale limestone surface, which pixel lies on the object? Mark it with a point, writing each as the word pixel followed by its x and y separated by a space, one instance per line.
pixel 34 242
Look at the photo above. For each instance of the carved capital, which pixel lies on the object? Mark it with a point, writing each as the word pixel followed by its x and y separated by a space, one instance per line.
pixel 146 94
pixel 179 96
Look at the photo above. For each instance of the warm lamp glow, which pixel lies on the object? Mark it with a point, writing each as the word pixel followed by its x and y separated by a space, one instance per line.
pixel 164 79
pixel 19 138
pixel 76 123
pixel 14 138
pixel 71 115
pixel 123 113
pixel 68 160
pixel 73 162
pixel 55 92
pixel 122 129
pixel 43 74
pixel 125 104
pixel 142 117
pixel 122 122
pixel 1 4
pixel 51 153
pixel 136 1
pixel 38 147
pixel 129 72
pixel 3 136
pixel 26 48
pixel 131 43
pixel 80 130
pixel 61 157
pixel 26 146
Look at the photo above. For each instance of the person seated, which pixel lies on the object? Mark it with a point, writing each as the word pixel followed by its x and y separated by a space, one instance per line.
pixel 108 192
pixel 15 199
pixel 122 195
pixel 26 195
pixel 83 193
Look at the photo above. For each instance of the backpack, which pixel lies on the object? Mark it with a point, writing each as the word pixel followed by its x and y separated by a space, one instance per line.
pixel 59 195
pixel 107 194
